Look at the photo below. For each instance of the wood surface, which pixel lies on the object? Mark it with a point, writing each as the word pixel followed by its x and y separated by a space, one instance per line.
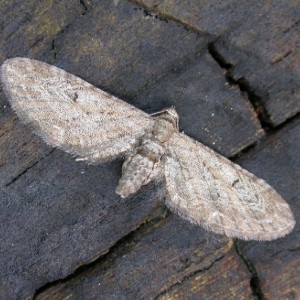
pixel 231 69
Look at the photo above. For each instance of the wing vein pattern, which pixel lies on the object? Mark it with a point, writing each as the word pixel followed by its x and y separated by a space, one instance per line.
pixel 69 113
pixel 208 189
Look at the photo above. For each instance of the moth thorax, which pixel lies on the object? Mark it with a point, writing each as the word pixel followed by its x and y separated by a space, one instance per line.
pixel 163 129
pixel 152 150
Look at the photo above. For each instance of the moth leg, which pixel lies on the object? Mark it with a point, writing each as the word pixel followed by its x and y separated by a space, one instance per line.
pixel 93 158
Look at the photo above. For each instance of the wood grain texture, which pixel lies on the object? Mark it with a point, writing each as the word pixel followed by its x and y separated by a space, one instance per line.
pixel 19 148
pixel 27 28
pixel 227 271
pixel 150 263
pixel 61 214
pixel 258 42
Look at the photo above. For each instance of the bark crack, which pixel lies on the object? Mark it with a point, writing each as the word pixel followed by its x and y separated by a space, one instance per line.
pixel 187 277
pixel 28 168
pixel 270 133
pixel 254 280
pixel 3 133
pixel 165 17
pixel 53 49
pixel 84 7
pixel 244 86
pixel 107 255
pixel 285 250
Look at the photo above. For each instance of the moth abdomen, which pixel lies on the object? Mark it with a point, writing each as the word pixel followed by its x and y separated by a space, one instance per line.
pixel 139 168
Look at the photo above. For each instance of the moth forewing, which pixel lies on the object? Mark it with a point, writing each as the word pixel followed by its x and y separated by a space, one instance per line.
pixel 69 113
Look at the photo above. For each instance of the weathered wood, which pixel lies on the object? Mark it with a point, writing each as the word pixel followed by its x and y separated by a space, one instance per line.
pixel 257 40
pixel 19 148
pixel 209 284
pixel 59 215
pixel 28 27
pixel 155 263
pixel 212 17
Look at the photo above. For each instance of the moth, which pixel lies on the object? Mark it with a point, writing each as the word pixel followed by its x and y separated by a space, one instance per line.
pixel 201 186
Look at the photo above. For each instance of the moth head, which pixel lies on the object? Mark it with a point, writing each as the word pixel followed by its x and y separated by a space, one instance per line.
pixel 169 114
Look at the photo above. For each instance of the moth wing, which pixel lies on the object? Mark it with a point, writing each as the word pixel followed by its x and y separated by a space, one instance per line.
pixel 208 189
pixel 69 113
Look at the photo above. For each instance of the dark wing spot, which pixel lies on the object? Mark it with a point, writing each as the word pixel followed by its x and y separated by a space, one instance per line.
pixel 75 97
pixel 235 182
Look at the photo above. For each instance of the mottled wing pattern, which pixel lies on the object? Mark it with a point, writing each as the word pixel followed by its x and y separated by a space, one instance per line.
pixel 208 189
pixel 71 114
